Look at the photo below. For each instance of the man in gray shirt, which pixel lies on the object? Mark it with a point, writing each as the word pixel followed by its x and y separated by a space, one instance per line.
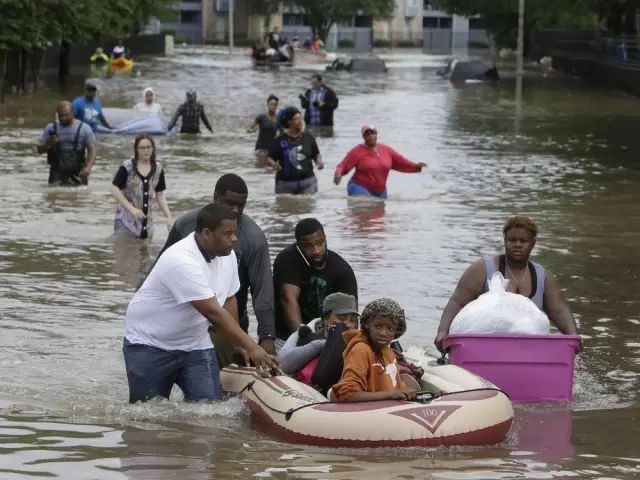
pixel 70 146
pixel 254 265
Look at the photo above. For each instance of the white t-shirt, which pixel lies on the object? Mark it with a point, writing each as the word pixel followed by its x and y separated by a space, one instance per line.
pixel 160 313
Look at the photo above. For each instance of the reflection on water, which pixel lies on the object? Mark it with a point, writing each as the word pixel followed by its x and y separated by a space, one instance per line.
pixel 68 279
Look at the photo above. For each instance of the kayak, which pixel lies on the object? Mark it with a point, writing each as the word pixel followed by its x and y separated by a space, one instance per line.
pixel 460 408
pixel 121 64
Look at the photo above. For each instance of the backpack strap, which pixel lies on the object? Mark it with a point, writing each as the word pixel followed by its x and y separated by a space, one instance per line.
pixel 76 138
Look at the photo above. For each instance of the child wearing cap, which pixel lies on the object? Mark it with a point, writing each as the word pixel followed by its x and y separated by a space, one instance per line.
pixel 370 368
pixel 299 355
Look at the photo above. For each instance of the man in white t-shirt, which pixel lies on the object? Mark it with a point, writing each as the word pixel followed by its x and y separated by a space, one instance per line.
pixel 166 325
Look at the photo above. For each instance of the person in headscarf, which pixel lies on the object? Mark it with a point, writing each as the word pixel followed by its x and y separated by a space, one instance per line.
pixel 191 112
pixel 371 370
pixel 148 103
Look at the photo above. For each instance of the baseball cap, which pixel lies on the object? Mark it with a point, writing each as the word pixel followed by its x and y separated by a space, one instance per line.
pixel 90 85
pixel 339 303
pixel 366 128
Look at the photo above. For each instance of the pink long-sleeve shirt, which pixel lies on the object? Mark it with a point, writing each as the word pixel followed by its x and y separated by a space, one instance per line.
pixel 373 169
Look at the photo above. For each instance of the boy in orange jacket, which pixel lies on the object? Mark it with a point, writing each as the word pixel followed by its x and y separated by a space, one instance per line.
pixel 370 368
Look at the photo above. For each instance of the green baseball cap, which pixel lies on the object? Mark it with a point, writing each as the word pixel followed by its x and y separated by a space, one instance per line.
pixel 339 304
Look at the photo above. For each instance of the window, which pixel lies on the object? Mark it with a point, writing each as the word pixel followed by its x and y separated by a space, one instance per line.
pixel 429 22
pixel 437 22
pixel 363 21
pixel 188 16
pixel 222 5
pixel 445 22
pixel 477 24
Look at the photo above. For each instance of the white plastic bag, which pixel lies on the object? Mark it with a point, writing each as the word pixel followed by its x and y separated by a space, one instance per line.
pixel 499 311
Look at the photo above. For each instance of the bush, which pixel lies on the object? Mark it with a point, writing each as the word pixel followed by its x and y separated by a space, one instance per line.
pixel 408 43
pixel 381 43
pixel 346 43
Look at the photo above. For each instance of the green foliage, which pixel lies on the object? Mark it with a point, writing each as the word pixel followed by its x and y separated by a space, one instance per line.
pixel 501 16
pixel 31 24
pixel 381 43
pixel 346 43
pixel 324 13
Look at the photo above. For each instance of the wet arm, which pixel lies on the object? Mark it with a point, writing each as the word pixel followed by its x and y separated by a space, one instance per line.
pixel 556 307
pixel 225 323
pixel 121 199
pixel 469 288
pixel 164 206
pixel 175 117
pixel 205 120
pixel 261 287
pixel 289 295
pixel 401 163
pixel 348 163
pixel 304 100
pixel 253 127
pixel 103 120
pixel 91 155
pixel 292 358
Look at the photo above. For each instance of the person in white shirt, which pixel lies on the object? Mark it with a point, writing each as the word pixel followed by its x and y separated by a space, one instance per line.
pixel 148 103
pixel 166 338
pixel 119 50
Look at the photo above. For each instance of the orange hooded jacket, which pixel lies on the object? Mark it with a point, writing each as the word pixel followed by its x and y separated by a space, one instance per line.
pixel 364 370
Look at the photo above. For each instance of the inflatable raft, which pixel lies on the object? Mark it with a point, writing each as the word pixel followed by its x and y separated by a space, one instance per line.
pixel 463 409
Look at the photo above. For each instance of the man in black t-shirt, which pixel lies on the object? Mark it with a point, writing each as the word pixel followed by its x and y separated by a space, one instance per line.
pixel 304 274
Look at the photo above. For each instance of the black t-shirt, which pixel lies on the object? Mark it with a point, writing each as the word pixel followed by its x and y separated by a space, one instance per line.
pixel 120 179
pixel 315 285
pixel 267 133
pixel 294 156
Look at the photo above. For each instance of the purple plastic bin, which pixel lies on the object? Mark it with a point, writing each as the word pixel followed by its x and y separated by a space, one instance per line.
pixel 530 368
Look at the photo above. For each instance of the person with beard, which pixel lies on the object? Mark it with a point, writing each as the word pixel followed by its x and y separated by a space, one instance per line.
pixel 304 273
pixel 254 267
pixel 192 285
pixel 70 146
pixel 525 278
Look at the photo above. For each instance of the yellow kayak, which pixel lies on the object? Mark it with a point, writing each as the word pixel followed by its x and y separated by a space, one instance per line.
pixel 121 64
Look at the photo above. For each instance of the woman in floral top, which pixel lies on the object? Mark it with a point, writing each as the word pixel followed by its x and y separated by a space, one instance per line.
pixel 137 182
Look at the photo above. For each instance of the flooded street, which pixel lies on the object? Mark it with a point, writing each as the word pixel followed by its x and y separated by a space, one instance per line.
pixel 570 161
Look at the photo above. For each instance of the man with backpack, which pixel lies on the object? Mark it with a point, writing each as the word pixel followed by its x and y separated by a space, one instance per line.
pixel 70 146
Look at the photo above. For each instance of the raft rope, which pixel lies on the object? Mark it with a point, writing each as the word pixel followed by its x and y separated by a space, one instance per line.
pixel 432 396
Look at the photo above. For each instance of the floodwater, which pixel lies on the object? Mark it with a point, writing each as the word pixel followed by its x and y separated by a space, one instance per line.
pixel 569 160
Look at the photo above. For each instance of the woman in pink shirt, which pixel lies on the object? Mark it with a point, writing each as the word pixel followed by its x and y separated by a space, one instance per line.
pixel 372 161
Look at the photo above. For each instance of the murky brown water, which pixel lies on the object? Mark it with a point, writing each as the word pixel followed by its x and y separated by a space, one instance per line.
pixel 570 162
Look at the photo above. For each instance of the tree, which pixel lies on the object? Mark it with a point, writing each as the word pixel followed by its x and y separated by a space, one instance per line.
pixel 30 26
pixel 501 16
pixel 323 14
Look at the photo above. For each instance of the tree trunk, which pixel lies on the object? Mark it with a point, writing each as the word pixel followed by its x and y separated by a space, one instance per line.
pixel 37 57
pixel 3 71
pixel 63 63
pixel 24 68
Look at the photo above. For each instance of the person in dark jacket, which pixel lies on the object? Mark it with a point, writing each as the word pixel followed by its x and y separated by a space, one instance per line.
pixel 191 112
pixel 318 103
pixel 254 266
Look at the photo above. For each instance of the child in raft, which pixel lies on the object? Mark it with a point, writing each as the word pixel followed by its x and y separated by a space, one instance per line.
pixel 370 367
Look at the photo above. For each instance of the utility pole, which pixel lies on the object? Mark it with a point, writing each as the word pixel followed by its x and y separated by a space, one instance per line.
pixel 520 60
pixel 519 64
pixel 231 27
